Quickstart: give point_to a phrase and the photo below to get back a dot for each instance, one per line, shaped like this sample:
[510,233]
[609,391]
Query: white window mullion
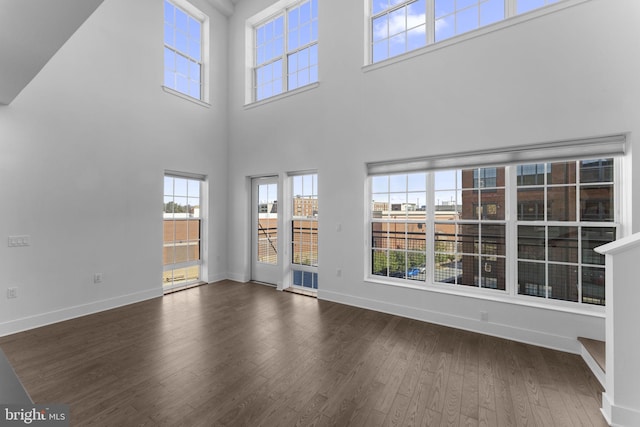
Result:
[430,15]
[285,73]
[430,211]
[368,33]
[510,7]
[580,266]
[511,230]
[578,195]
[546,261]
[285,53]
[621,181]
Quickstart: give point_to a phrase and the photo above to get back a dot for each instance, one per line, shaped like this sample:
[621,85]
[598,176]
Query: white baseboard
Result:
[619,416]
[239,277]
[527,336]
[217,278]
[43,319]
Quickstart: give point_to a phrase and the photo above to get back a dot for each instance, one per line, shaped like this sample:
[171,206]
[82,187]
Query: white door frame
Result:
[267,272]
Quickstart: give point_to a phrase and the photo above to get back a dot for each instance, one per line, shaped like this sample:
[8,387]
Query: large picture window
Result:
[400,26]
[454,227]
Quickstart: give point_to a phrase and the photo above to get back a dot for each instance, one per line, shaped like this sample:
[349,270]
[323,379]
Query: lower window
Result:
[523,230]
[182,230]
[304,231]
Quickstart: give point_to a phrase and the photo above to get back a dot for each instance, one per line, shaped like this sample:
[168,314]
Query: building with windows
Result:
[521,121]
[305,207]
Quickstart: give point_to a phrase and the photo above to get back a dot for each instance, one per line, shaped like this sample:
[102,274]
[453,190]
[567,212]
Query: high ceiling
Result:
[31,32]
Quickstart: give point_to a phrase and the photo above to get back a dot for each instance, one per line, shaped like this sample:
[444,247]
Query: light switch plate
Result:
[16,241]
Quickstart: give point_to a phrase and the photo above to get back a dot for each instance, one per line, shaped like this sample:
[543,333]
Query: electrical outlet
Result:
[97,278]
[12,293]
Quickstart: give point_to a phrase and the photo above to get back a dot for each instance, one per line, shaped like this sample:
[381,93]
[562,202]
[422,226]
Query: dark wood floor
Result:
[245,354]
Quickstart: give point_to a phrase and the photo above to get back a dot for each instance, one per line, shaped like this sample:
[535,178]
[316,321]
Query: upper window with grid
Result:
[183,49]
[400,26]
[286,51]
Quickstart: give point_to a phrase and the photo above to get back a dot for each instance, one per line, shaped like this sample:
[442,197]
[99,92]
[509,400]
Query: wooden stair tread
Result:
[596,349]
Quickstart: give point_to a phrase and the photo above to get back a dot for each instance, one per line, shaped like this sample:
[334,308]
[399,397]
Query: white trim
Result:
[185,96]
[242,277]
[186,263]
[620,245]
[367,32]
[286,94]
[182,286]
[507,22]
[613,145]
[217,278]
[188,7]
[528,336]
[55,316]
[593,366]
[497,296]
[269,12]
[618,416]
[185,175]
[263,271]
[302,172]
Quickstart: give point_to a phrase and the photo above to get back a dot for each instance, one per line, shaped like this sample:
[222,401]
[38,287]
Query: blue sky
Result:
[412,188]
[183,34]
[404,29]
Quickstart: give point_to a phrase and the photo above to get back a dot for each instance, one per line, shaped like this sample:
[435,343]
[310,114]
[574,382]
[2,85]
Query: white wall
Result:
[83,151]
[571,74]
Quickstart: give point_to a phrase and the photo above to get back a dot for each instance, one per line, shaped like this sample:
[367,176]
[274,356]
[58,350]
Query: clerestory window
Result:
[285,50]
[400,26]
[185,49]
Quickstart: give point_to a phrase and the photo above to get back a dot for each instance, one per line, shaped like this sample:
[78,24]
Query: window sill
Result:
[186,97]
[287,94]
[497,296]
[479,32]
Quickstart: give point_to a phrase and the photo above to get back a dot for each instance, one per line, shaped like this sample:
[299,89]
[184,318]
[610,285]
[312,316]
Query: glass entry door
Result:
[265,248]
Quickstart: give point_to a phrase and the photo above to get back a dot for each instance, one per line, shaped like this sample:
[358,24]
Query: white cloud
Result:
[398,24]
